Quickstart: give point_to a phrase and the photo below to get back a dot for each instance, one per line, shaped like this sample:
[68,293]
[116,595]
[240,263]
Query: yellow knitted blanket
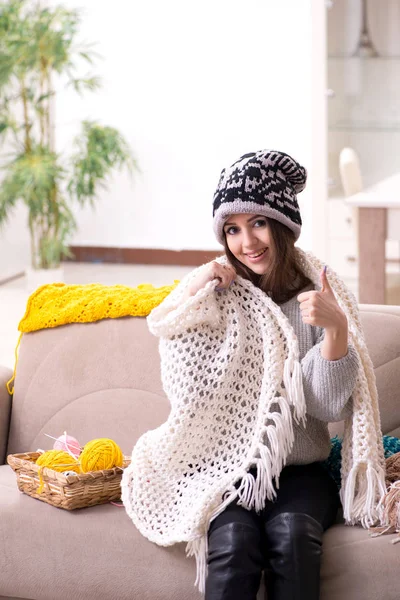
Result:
[59,304]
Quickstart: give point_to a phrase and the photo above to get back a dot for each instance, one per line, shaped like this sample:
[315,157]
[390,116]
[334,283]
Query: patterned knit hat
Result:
[264,183]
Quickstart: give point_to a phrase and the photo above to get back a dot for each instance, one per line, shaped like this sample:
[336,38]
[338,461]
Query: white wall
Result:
[15,253]
[192,87]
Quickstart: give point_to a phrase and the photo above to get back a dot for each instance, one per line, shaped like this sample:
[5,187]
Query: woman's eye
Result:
[231,230]
[260,223]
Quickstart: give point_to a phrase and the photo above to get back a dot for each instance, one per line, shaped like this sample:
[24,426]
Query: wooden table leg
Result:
[371,255]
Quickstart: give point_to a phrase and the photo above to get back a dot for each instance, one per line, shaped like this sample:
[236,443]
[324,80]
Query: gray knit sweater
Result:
[328,385]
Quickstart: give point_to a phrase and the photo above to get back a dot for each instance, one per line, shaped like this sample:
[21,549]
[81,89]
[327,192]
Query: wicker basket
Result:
[67,491]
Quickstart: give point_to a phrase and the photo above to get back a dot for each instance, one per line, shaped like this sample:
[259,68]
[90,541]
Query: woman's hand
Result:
[320,308]
[213,270]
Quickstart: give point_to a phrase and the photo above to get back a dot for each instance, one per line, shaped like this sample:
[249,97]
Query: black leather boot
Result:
[235,562]
[293,557]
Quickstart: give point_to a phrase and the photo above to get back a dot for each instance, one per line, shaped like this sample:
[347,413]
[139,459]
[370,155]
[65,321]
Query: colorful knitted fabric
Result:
[58,304]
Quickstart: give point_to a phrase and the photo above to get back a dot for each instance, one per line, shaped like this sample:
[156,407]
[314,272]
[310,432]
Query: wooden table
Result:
[378,221]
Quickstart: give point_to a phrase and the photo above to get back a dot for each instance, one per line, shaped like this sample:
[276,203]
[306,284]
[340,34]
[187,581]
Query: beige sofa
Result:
[102,380]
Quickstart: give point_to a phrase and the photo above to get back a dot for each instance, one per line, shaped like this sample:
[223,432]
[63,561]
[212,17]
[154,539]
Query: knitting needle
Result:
[66,443]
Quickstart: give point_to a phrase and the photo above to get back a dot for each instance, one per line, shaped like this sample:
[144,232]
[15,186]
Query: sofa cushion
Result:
[114,561]
[93,380]
[382,335]
[356,566]
[382,332]
[120,414]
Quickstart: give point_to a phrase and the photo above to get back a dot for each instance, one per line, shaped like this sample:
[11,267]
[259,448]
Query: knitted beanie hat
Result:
[263,183]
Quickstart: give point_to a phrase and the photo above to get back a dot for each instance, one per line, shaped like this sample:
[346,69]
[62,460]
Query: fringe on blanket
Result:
[268,461]
[199,549]
[362,495]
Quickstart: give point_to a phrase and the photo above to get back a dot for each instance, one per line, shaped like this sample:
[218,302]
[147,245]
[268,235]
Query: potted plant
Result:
[39,55]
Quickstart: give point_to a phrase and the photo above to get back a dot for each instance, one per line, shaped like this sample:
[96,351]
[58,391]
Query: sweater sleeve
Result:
[328,384]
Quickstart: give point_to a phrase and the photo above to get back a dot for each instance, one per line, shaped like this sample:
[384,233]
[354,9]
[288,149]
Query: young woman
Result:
[257,359]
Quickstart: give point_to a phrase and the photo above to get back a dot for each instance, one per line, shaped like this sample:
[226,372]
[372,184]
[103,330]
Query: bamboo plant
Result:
[39,56]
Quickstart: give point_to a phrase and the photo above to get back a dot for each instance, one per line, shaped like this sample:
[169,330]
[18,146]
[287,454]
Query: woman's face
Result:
[250,241]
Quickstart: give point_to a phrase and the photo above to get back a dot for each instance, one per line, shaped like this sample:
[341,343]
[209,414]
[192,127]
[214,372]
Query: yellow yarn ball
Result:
[58,460]
[101,454]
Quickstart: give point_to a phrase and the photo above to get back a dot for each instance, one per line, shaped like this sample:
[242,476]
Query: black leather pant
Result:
[284,540]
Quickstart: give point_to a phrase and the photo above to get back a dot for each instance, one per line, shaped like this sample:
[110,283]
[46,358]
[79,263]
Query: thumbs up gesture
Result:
[320,308]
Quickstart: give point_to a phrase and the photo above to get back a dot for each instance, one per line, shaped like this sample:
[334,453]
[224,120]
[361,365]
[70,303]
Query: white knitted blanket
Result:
[230,368]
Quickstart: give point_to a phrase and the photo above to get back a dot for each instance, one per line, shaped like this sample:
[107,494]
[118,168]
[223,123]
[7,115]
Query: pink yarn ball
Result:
[68,444]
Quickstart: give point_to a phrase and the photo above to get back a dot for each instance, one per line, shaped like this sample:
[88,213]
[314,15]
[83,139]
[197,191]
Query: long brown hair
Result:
[285,278]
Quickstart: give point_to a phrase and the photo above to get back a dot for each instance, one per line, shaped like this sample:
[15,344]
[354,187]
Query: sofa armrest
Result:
[382,308]
[5,411]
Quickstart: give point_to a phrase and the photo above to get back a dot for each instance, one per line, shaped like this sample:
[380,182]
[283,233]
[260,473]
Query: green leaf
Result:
[85,83]
[87,54]
[45,96]
[32,179]
[98,151]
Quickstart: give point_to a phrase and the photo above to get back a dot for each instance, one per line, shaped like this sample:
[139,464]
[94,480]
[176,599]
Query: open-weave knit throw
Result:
[230,368]
[58,304]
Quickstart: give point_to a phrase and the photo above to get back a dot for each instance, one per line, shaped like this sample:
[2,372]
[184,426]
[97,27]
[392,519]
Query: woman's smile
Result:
[257,256]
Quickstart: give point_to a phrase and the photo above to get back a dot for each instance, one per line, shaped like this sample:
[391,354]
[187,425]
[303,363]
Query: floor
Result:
[14,295]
